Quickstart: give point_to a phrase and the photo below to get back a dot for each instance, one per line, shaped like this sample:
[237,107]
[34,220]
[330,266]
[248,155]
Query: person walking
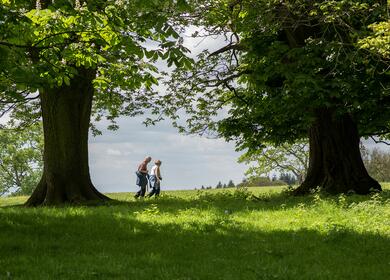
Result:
[142,177]
[155,179]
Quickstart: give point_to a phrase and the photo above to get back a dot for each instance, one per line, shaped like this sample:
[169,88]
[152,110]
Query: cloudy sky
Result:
[187,161]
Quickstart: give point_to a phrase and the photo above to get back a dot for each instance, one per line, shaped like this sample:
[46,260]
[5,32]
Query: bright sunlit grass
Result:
[259,233]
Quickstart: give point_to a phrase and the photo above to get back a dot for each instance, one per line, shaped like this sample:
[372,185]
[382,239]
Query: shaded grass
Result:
[215,234]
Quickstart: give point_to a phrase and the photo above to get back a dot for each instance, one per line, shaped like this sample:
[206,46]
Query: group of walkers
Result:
[144,178]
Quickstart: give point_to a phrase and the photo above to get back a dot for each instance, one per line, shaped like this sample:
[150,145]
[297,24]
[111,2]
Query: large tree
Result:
[290,70]
[79,58]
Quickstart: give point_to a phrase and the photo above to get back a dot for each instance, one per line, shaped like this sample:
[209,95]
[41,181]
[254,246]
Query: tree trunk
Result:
[335,164]
[66,115]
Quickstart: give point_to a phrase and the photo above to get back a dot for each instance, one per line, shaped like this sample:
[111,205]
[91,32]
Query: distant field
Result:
[258,233]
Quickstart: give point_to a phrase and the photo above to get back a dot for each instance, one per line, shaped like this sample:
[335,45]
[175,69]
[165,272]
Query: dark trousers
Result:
[142,181]
[155,191]
[141,192]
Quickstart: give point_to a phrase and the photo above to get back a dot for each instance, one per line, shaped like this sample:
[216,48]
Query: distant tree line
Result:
[230,184]
[291,162]
[263,181]
[220,185]
[376,161]
[284,178]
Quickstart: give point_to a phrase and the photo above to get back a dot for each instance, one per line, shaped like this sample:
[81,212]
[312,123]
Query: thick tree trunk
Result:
[66,115]
[335,163]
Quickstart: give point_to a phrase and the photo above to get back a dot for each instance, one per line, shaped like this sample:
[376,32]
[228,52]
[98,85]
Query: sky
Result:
[188,161]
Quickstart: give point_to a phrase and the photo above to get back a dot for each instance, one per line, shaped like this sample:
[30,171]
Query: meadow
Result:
[254,233]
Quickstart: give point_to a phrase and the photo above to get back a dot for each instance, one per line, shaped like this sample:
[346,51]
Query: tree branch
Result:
[231,77]
[370,134]
[13,45]
[379,141]
[237,47]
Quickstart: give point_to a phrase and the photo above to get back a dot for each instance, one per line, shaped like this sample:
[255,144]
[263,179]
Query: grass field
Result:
[261,233]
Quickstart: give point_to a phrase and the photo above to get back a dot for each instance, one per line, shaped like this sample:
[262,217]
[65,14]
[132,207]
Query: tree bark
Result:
[335,163]
[66,115]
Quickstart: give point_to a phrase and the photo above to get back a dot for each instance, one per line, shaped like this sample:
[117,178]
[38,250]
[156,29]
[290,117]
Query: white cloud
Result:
[112,152]
[188,161]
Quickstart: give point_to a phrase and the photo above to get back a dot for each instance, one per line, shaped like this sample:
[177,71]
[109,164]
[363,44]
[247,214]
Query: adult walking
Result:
[155,179]
[142,177]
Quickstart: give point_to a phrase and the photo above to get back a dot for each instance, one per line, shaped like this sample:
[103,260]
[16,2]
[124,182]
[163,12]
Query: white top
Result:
[153,171]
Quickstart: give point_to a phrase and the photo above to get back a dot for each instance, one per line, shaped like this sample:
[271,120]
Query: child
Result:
[155,178]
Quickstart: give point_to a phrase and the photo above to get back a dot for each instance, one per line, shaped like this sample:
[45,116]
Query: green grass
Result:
[213,234]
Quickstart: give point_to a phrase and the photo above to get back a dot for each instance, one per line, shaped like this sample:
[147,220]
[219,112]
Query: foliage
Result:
[378,42]
[288,178]
[46,45]
[223,234]
[230,184]
[21,153]
[286,157]
[260,181]
[283,61]
[377,163]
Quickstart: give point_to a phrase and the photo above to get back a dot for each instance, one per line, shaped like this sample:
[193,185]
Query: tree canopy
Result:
[282,61]
[291,70]
[44,44]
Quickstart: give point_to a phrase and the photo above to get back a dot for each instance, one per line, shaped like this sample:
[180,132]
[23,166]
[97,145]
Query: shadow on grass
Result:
[98,244]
